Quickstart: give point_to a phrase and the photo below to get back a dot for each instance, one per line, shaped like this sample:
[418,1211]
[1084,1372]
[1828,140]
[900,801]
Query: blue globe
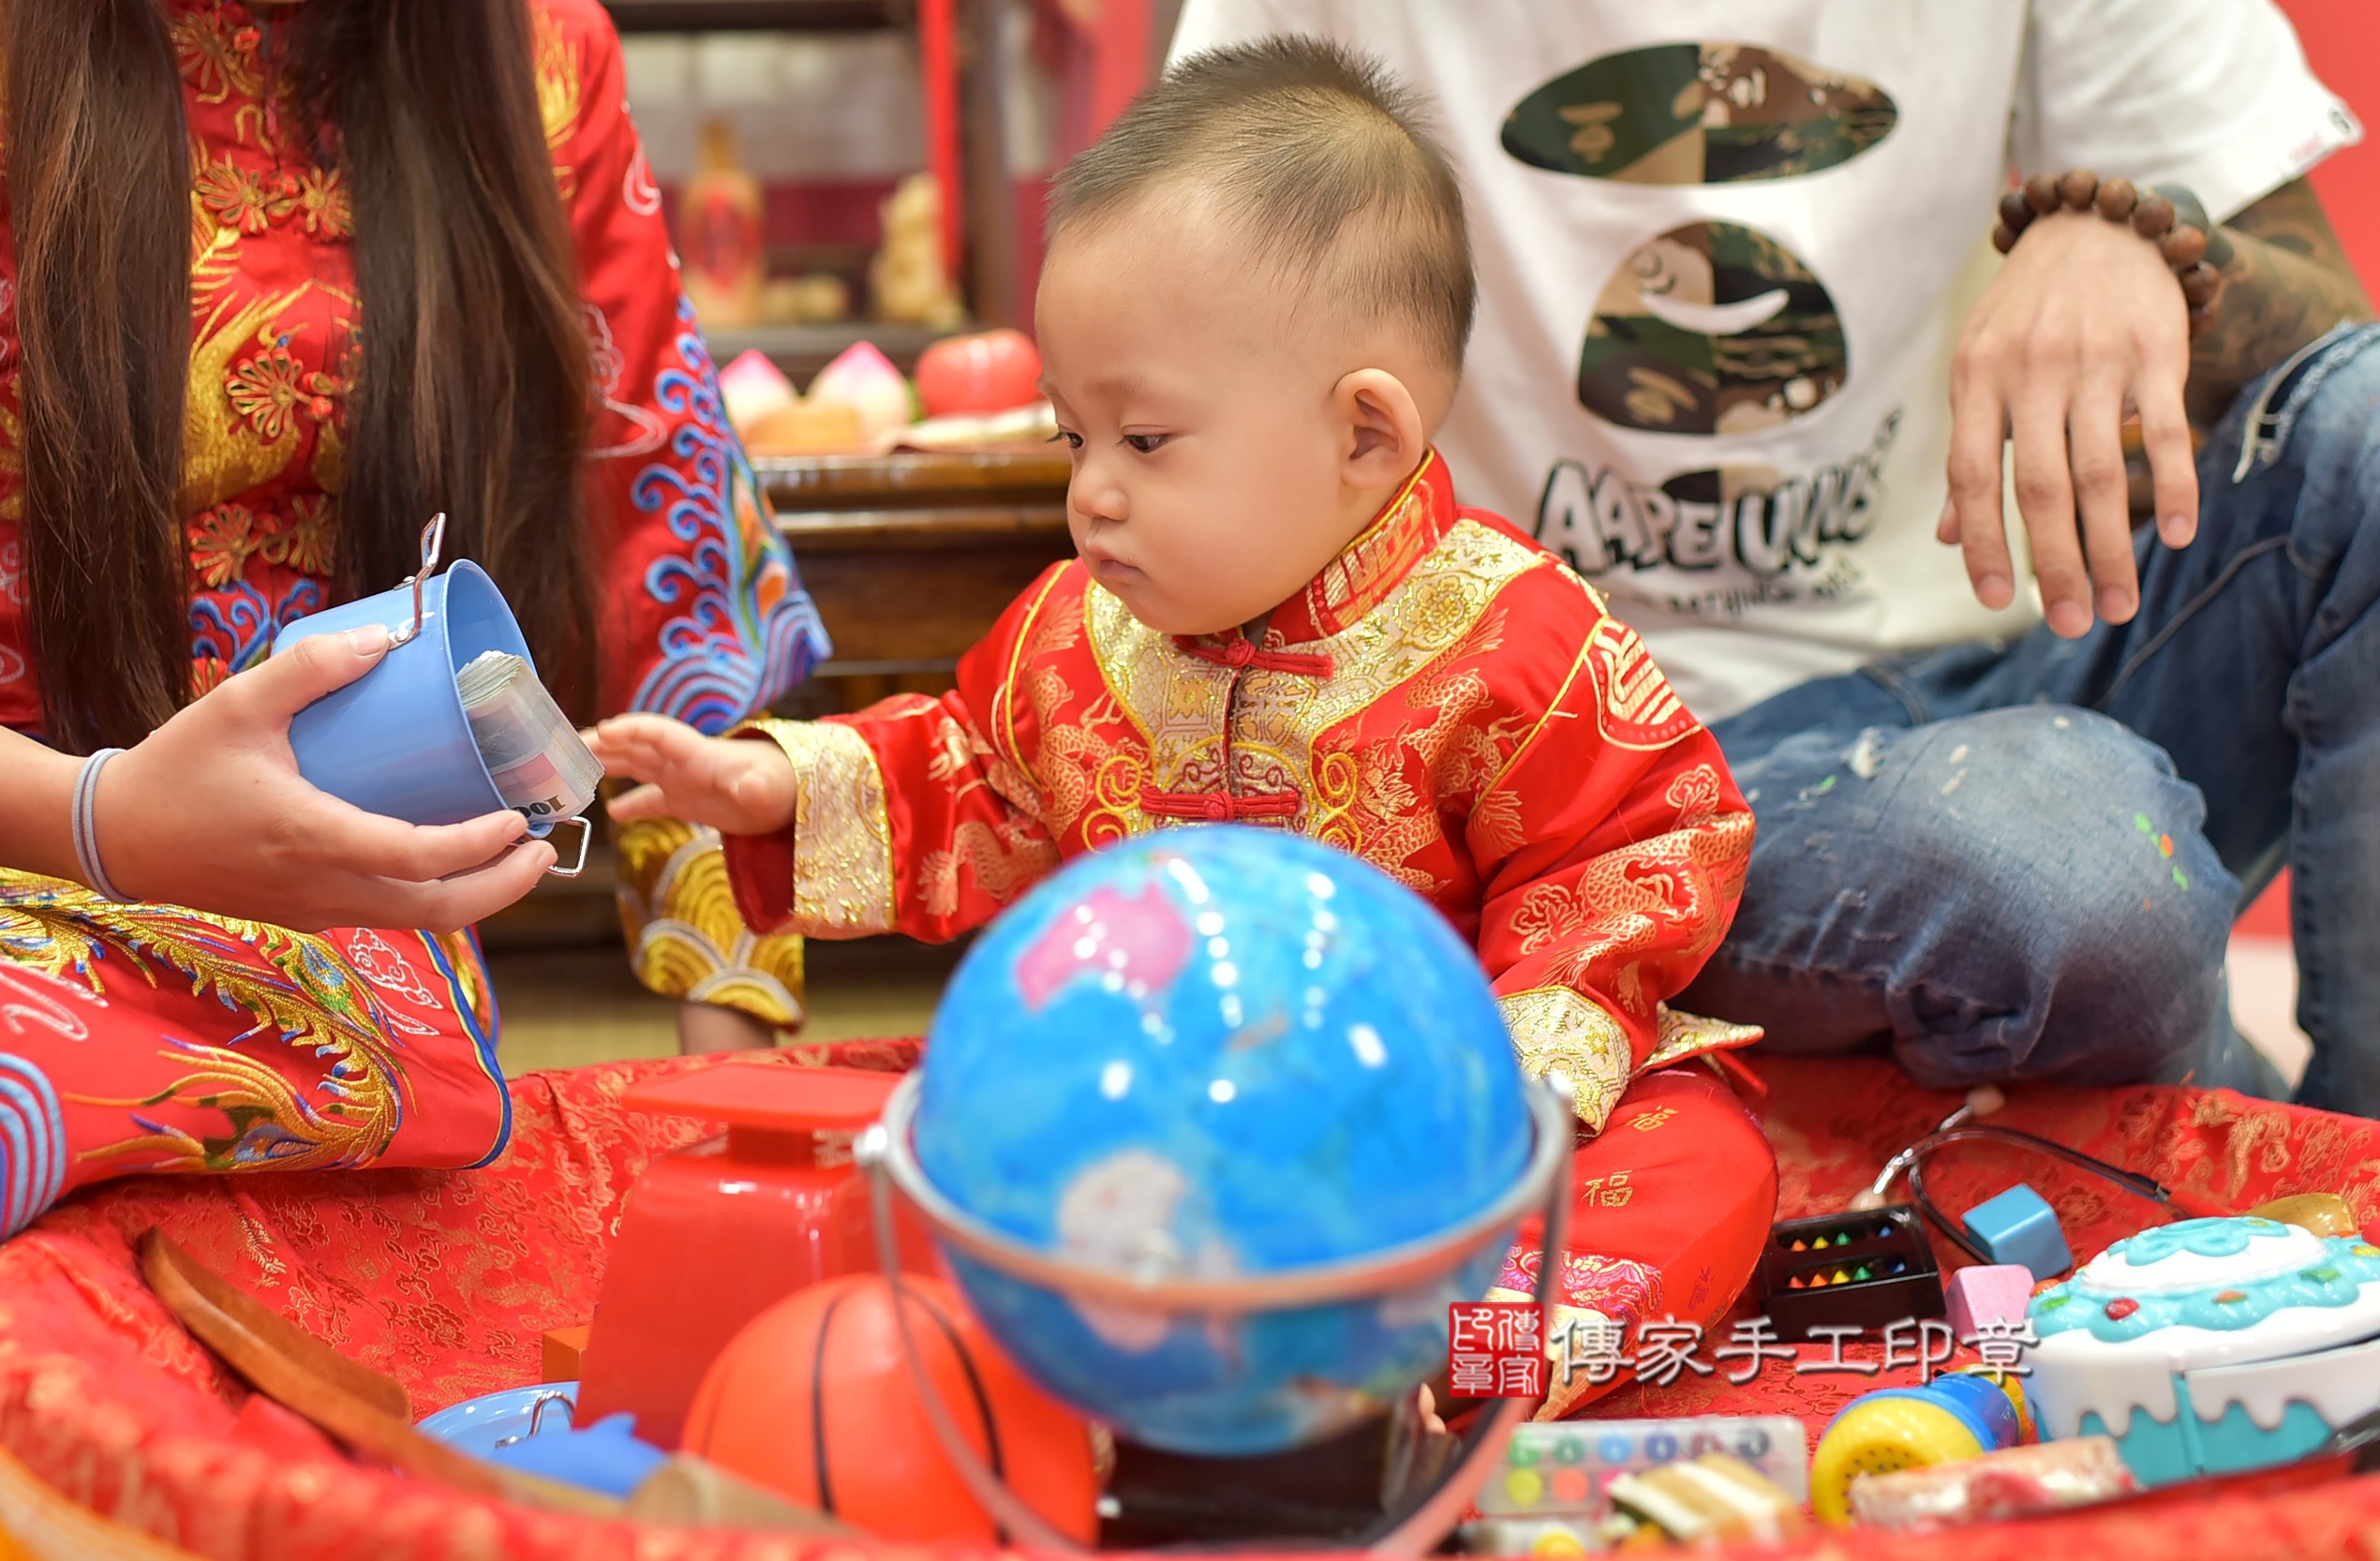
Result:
[1218,1052]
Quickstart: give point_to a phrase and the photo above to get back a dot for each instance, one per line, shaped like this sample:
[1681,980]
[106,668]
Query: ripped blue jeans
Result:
[2023,860]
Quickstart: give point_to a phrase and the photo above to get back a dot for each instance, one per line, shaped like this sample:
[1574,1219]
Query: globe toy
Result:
[1236,1067]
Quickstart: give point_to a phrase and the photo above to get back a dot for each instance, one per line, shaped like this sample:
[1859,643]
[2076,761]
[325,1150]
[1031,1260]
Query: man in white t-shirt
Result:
[1735,282]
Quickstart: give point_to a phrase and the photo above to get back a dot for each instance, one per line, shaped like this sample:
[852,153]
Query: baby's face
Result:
[1207,486]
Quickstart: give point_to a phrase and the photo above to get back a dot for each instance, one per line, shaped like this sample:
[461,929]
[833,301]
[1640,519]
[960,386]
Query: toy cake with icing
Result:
[2210,1345]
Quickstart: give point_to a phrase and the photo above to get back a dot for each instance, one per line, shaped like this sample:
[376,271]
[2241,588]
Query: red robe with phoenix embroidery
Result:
[1445,700]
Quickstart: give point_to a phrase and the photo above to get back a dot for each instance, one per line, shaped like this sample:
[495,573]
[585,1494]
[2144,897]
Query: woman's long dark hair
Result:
[474,391]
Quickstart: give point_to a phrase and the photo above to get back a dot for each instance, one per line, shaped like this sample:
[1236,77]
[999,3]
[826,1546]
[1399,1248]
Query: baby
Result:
[1252,318]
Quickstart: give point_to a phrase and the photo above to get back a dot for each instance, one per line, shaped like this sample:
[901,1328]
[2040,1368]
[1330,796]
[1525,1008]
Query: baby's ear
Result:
[1383,435]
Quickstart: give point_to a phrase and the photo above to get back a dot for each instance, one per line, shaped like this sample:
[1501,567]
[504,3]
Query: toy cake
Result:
[2210,1345]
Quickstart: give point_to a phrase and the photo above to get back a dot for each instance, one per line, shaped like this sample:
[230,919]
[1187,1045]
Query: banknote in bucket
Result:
[532,752]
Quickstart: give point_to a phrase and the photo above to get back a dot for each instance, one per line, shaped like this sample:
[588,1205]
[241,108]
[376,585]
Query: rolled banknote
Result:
[532,752]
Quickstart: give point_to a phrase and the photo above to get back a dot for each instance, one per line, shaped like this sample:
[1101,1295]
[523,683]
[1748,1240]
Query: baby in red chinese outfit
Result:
[1252,318]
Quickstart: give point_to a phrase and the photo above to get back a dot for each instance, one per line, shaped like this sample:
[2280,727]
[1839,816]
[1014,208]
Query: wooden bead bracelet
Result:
[2168,216]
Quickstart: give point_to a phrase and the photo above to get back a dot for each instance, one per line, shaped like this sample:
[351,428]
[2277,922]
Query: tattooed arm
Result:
[2285,282]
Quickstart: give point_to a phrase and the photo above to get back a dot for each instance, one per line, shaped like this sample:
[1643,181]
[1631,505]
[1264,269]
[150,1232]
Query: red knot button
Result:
[2121,1307]
[1240,652]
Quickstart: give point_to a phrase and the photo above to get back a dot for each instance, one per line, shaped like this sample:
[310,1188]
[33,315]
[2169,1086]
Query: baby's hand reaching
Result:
[739,787]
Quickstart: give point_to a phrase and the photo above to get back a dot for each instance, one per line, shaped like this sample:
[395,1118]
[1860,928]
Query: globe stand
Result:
[884,1151]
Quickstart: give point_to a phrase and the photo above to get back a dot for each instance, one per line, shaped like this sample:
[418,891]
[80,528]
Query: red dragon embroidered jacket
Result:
[1445,700]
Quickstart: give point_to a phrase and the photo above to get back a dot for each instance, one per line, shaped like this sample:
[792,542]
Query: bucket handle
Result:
[543,1402]
[433,542]
[586,836]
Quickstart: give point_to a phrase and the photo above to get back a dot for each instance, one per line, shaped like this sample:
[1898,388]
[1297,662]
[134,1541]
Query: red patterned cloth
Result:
[447,1280]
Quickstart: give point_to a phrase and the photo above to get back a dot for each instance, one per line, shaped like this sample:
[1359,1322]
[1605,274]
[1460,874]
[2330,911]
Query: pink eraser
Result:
[1988,1293]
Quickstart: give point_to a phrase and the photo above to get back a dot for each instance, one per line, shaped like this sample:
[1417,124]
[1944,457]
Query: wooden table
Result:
[912,558]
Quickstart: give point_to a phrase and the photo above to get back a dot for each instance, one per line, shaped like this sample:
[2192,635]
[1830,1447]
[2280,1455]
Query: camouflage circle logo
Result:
[1711,328]
[1692,114]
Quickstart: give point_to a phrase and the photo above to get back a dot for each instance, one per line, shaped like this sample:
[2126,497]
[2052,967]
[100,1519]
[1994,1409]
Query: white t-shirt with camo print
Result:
[1724,247]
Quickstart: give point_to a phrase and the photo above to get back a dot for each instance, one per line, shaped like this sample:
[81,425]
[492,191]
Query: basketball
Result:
[814,1399]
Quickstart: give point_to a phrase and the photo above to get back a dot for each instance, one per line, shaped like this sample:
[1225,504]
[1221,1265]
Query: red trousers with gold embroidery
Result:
[1669,1207]
[154,1038]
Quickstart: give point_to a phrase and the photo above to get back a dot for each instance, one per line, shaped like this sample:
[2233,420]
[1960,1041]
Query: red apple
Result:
[991,371]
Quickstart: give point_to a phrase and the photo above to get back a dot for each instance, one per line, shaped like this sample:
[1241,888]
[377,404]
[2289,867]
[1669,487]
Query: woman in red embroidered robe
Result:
[1444,699]
[425,271]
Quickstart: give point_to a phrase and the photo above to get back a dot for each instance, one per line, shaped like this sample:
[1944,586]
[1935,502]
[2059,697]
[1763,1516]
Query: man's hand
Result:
[2084,323]
[743,788]
[2084,326]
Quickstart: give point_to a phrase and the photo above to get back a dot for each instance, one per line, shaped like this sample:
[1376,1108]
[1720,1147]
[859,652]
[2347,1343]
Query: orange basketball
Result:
[814,1399]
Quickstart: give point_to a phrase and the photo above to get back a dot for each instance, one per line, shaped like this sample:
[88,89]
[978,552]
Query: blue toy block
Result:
[2018,1226]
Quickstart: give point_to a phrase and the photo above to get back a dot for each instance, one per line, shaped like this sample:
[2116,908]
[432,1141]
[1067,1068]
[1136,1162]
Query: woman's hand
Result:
[210,812]
[2084,326]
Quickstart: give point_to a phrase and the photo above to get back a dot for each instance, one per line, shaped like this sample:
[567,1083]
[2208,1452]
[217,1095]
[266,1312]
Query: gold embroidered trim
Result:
[1003,699]
[1180,703]
[843,839]
[558,88]
[1557,1030]
[1638,708]
[222,457]
[1554,708]
[686,940]
[1369,567]
[1683,1035]
[214,58]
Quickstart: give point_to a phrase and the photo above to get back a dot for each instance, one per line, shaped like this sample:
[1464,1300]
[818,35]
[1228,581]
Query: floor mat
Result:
[448,1281]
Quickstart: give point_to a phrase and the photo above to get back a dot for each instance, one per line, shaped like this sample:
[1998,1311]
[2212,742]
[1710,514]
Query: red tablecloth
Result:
[448,1281]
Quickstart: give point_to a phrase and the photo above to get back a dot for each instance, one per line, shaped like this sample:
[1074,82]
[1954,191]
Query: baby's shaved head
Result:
[1318,159]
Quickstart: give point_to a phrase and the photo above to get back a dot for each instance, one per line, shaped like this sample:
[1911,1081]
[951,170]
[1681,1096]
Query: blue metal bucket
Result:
[396,741]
